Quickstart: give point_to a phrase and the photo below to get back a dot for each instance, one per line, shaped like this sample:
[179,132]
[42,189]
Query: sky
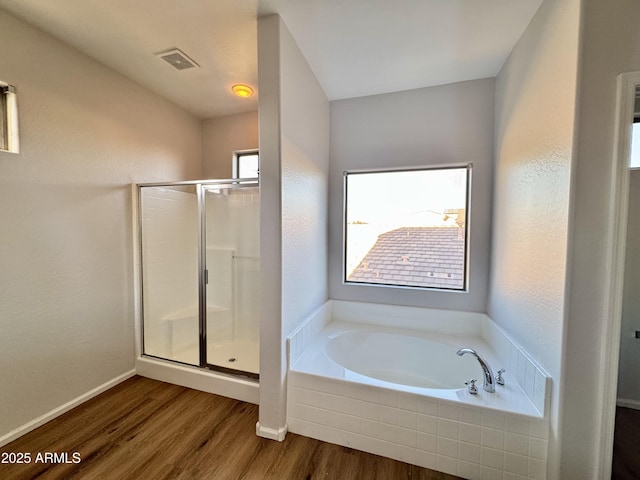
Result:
[405,198]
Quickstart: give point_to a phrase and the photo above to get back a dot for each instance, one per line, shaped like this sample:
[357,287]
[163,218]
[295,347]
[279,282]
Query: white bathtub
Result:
[400,391]
[400,359]
[411,361]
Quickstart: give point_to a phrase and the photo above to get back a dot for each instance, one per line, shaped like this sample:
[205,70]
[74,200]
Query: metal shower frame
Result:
[201,186]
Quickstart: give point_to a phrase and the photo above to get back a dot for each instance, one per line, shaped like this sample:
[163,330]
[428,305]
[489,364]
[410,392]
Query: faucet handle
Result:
[499,377]
[473,390]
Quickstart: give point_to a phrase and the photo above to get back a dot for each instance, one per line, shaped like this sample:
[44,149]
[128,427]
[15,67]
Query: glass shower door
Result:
[169,255]
[232,249]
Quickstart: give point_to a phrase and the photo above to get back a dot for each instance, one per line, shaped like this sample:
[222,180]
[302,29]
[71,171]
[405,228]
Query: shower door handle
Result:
[206,276]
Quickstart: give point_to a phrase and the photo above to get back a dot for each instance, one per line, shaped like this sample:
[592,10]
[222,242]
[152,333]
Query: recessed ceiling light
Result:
[242,90]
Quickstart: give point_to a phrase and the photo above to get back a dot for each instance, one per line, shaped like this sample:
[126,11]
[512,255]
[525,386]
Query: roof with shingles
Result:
[415,256]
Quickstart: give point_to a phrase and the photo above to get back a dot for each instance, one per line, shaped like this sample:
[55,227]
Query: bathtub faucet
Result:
[489,380]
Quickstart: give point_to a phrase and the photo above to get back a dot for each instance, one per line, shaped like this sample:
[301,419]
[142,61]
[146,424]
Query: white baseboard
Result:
[56,412]
[271,433]
[629,403]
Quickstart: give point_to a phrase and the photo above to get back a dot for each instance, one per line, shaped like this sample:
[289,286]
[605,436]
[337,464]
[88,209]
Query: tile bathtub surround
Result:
[304,335]
[520,367]
[463,440]
[410,318]
[460,440]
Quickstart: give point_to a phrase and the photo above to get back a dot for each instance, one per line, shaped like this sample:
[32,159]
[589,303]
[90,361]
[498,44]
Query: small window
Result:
[407,228]
[634,156]
[634,161]
[8,119]
[246,164]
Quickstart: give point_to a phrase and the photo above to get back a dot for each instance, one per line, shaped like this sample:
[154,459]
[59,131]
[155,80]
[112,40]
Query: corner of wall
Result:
[272,413]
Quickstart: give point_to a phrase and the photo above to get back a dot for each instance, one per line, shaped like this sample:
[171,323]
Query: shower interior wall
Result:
[233,289]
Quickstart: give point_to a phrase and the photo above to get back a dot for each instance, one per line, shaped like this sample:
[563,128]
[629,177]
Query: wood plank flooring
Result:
[144,429]
[626,458]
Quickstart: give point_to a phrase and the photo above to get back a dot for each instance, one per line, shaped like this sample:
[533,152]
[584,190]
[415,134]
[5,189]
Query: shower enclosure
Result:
[200,265]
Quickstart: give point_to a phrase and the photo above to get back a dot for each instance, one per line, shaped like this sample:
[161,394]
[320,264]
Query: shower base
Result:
[242,355]
[203,379]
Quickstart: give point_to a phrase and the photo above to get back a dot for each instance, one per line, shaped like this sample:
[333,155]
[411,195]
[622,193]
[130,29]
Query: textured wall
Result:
[222,136]
[304,139]
[610,45]
[294,149]
[450,124]
[66,293]
[535,105]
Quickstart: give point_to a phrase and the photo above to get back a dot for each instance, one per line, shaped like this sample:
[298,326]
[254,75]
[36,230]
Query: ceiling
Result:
[354,47]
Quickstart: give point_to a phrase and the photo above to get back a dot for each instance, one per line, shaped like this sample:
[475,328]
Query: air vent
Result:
[177,59]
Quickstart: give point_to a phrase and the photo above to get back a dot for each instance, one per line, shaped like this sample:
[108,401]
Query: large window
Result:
[246,164]
[407,228]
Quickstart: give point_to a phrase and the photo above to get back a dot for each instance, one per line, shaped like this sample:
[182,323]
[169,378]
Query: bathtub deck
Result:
[145,429]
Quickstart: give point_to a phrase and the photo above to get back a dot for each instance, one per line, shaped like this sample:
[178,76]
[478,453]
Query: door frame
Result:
[618,208]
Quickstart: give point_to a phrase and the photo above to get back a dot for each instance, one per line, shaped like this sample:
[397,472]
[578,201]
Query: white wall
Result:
[294,149]
[66,266]
[304,139]
[221,136]
[272,362]
[450,124]
[610,45]
[629,374]
[535,115]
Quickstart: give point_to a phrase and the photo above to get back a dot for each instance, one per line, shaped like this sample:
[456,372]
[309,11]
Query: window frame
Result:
[467,230]
[237,155]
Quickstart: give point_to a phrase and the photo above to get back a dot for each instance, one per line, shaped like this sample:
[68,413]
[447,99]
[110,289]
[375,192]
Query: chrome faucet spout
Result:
[489,384]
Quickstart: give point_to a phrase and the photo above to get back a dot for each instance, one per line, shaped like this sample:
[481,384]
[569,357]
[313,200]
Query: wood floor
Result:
[144,429]
[626,445]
